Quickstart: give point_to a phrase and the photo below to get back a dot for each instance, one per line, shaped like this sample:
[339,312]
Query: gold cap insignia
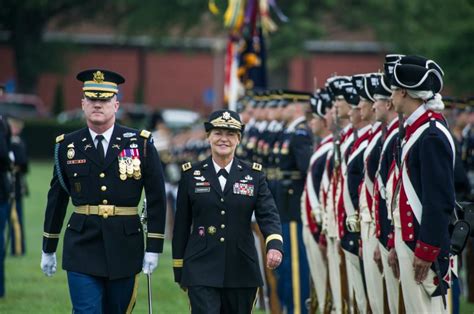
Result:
[98,77]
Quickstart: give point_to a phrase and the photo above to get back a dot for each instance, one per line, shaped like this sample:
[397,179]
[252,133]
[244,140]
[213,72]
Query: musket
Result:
[143,219]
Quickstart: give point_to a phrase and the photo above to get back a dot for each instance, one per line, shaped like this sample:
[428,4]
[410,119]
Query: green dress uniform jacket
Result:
[213,244]
[105,245]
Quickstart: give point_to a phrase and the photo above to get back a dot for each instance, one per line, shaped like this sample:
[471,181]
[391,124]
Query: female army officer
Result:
[214,256]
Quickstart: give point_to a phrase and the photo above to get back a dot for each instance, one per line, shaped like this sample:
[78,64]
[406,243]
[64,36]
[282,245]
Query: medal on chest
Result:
[129,164]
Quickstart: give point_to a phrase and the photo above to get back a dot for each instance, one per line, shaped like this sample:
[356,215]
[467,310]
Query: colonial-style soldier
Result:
[352,175]
[311,212]
[103,168]
[294,154]
[384,184]
[331,192]
[371,157]
[214,255]
[424,198]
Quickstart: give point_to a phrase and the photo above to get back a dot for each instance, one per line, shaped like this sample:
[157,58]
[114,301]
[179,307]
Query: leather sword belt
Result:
[106,210]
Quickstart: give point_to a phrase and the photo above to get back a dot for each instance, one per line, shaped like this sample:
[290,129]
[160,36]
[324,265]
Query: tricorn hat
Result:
[415,77]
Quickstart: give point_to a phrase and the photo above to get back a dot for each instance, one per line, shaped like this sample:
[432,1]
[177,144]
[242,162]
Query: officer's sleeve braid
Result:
[58,168]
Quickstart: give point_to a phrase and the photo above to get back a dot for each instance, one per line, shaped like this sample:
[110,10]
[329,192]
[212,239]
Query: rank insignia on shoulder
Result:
[257,166]
[60,138]
[145,133]
[186,166]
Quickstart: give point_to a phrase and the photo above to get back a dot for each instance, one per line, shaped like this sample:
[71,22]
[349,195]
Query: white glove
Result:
[353,223]
[150,262]
[48,263]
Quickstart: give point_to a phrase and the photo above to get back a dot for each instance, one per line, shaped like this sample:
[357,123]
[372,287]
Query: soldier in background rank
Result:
[251,135]
[262,130]
[20,189]
[273,144]
[5,190]
[103,168]
[295,151]
[245,110]
[214,255]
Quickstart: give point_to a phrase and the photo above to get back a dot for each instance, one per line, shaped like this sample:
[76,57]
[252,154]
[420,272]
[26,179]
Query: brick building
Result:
[188,72]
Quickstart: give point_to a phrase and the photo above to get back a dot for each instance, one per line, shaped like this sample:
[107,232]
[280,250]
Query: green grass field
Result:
[29,291]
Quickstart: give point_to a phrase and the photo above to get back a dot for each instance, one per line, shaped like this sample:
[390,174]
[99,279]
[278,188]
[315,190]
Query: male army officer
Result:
[103,169]
[214,255]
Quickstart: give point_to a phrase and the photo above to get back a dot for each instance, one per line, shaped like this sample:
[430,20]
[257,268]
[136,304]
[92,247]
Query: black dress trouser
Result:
[210,300]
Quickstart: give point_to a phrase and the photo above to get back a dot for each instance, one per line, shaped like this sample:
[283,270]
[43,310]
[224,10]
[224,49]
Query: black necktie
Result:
[100,147]
[223,173]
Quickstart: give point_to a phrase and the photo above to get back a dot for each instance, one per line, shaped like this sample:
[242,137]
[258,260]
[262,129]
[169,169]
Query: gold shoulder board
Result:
[59,138]
[145,133]
[186,166]
[257,166]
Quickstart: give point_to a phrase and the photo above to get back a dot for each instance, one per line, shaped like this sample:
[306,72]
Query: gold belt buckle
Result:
[106,210]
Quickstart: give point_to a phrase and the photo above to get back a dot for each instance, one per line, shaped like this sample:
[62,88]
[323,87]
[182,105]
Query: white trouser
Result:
[334,261]
[373,277]
[317,267]
[392,284]
[417,297]
[355,282]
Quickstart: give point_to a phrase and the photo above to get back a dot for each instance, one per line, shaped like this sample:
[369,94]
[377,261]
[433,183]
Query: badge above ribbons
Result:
[129,164]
